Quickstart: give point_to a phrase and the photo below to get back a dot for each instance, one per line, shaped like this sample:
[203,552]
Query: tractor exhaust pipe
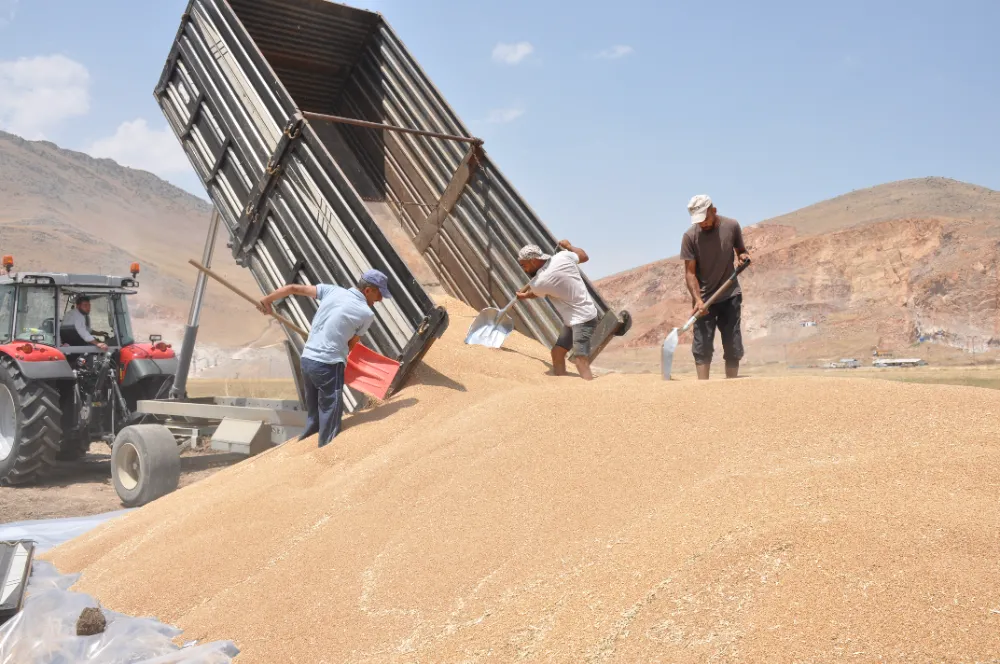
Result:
[179,388]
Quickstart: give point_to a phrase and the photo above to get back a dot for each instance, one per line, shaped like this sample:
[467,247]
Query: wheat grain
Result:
[490,512]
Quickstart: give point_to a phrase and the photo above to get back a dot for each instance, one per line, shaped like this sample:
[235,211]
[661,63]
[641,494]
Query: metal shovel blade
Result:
[490,328]
[369,372]
[670,343]
[667,353]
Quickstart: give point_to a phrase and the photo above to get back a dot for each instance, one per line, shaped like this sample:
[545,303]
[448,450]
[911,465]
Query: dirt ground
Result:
[84,488]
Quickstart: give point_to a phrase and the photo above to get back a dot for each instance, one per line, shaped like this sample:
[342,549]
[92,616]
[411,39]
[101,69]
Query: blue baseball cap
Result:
[376,278]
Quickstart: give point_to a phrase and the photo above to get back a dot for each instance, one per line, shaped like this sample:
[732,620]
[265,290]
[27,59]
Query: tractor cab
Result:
[45,314]
[103,312]
[50,309]
[52,312]
[45,320]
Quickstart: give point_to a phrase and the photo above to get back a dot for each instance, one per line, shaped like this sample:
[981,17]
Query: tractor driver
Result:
[75,327]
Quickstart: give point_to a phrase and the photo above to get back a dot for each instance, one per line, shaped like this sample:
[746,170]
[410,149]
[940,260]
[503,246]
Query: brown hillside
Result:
[879,267]
[65,211]
[905,199]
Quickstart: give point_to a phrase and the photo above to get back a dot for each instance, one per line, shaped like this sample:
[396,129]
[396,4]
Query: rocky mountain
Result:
[910,267]
[907,266]
[64,211]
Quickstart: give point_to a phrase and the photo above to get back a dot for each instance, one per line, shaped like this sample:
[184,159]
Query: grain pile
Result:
[493,513]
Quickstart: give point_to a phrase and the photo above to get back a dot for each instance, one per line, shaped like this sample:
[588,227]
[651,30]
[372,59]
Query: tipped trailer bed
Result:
[326,150]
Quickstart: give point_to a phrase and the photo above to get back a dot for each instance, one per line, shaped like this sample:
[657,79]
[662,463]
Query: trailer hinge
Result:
[251,220]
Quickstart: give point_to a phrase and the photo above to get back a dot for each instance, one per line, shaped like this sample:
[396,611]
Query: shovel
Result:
[670,343]
[366,370]
[492,326]
[281,319]
[369,372]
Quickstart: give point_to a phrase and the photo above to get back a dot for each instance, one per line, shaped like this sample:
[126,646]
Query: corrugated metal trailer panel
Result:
[286,63]
[474,253]
[291,214]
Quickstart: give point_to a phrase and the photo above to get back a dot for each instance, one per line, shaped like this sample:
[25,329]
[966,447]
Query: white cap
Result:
[698,208]
[531,251]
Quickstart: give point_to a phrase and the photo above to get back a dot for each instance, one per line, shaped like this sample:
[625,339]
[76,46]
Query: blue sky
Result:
[607,117]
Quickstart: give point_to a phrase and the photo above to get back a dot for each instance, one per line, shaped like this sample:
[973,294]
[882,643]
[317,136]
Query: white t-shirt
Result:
[75,318]
[561,281]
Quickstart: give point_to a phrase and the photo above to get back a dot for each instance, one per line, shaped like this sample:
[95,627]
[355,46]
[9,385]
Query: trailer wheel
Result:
[145,463]
[30,430]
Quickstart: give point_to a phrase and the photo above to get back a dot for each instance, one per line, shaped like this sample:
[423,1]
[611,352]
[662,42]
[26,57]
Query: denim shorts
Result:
[577,338]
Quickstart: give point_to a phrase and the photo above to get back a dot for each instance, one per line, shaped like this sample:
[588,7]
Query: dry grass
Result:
[985,379]
[492,513]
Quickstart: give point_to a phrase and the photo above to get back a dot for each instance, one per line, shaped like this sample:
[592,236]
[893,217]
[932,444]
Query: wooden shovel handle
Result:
[722,289]
[715,296]
[248,298]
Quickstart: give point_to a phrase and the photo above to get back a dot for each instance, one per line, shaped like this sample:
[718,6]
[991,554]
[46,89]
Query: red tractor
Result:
[58,393]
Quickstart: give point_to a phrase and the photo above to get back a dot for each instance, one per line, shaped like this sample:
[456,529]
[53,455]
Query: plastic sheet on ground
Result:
[49,533]
[44,632]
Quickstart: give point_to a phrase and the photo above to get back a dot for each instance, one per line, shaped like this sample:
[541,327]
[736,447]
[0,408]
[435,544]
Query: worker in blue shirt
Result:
[344,315]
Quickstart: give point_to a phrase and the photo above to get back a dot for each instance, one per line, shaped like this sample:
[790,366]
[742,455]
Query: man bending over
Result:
[558,278]
[344,315]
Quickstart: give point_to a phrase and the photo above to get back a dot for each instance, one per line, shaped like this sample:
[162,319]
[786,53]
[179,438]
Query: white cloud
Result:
[512,54]
[504,115]
[39,93]
[8,9]
[135,144]
[615,52]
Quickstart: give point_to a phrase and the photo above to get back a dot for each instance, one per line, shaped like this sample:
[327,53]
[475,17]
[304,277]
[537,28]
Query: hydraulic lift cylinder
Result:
[179,389]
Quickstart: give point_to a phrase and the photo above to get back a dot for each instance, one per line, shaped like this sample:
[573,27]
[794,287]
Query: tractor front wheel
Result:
[145,463]
[30,426]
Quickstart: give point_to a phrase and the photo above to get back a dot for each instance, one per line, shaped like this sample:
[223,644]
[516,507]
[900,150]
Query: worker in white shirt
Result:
[77,324]
[558,278]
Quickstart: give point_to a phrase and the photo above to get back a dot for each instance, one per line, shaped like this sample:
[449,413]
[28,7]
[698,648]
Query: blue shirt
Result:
[342,314]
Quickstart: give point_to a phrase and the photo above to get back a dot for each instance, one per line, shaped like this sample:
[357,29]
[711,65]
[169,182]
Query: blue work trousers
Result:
[324,388]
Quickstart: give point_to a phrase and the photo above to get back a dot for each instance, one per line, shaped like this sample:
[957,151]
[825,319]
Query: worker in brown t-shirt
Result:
[708,248]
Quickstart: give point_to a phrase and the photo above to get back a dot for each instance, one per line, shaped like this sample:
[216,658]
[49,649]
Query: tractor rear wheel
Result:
[30,426]
[145,463]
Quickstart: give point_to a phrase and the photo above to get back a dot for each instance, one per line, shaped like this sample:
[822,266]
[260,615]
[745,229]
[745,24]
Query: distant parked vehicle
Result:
[899,362]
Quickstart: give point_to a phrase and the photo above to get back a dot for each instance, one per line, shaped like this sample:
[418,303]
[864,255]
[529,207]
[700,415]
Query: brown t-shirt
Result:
[713,253]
